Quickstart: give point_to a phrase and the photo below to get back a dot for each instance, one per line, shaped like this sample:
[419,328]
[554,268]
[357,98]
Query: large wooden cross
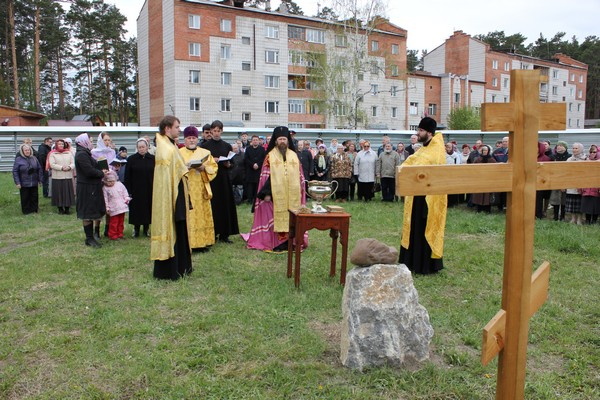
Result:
[507,333]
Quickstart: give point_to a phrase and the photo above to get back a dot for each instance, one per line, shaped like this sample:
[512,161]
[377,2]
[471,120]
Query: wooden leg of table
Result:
[344,242]
[298,242]
[333,233]
[291,238]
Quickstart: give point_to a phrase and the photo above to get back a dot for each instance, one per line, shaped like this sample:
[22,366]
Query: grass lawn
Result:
[80,323]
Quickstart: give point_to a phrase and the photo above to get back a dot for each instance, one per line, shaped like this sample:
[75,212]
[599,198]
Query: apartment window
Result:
[580,93]
[194,103]
[225,105]
[225,25]
[225,78]
[494,82]
[314,108]
[246,65]
[374,45]
[578,123]
[374,89]
[413,109]
[272,32]
[340,109]
[555,90]
[194,49]
[246,90]
[394,91]
[193,21]
[578,107]
[570,106]
[272,107]
[296,32]
[272,56]
[296,106]
[505,82]
[374,111]
[394,112]
[507,66]
[555,73]
[456,98]
[361,76]
[571,92]
[374,68]
[225,52]
[569,122]
[493,98]
[246,116]
[395,49]
[341,87]
[271,81]
[296,82]
[245,40]
[311,85]
[494,64]
[506,99]
[295,126]
[394,70]
[580,78]
[194,76]
[341,41]
[572,77]
[315,36]
[340,62]
[432,109]
[544,88]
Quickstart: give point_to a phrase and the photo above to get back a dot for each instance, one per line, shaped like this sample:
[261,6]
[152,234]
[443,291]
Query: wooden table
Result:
[337,223]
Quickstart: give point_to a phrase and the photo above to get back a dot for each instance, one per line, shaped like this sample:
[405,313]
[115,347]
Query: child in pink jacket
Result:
[116,199]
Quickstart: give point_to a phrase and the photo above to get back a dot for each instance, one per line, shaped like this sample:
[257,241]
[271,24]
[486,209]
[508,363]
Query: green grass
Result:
[79,323]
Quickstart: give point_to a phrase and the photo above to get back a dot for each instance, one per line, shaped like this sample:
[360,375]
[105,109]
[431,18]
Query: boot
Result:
[136,231]
[97,233]
[106,230]
[60,210]
[89,236]
[146,232]
[556,212]
[67,211]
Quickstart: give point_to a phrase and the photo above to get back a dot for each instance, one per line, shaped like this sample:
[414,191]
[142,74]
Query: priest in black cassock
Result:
[139,178]
[222,203]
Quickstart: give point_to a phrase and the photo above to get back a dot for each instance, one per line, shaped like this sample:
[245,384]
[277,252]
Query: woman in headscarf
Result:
[351,152]
[62,163]
[321,163]
[139,179]
[28,175]
[483,201]
[590,197]
[341,171]
[593,153]
[573,203]
[90,199]
[542,197]
[558,197]
[103,148]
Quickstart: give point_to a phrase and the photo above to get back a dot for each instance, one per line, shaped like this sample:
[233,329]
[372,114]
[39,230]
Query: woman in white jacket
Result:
[62,164]
[364,168]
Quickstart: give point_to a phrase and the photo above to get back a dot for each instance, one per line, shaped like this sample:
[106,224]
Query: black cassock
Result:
[222,203]
[139,177]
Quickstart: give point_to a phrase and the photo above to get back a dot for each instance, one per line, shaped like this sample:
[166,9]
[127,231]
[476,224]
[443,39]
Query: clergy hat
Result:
[428,124]
[279,132]
[190,131]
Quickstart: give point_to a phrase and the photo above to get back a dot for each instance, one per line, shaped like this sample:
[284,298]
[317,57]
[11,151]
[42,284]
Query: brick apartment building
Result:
[202,61]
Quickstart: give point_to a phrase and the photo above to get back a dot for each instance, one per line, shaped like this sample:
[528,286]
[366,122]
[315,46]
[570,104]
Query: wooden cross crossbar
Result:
[523,118]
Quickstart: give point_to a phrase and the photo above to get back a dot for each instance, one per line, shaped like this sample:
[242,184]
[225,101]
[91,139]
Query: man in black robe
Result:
[253,161]
[222,202]
[138,180]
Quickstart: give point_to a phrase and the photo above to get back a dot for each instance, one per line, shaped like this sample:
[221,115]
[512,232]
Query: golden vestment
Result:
[200,222]
[285,186]
[169,170]
[432,154]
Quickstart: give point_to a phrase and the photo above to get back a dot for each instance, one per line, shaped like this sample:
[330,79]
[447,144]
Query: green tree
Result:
[327,13]
[500,42]
[291,7]
[464,118]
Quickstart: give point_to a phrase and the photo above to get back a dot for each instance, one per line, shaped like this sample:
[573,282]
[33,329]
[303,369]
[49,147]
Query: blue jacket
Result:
[27,171]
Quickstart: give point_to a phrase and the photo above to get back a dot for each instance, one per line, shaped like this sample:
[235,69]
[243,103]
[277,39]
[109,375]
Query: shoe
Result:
[97,233]
[136,232]
[93,243]
[67,211]
[225,239]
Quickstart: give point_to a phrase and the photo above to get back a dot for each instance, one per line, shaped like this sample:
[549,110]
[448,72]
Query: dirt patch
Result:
[331,334]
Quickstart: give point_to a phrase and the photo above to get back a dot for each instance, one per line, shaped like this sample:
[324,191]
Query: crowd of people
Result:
[188,189]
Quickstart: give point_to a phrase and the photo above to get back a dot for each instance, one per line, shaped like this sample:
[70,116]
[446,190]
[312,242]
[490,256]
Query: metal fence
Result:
[12,137]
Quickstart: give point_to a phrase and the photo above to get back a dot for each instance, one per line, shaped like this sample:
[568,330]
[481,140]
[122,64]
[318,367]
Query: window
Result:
[315,36]
[225,105]
[494,64]
[571,92]
[296,106]
[271,81]
[272,107]
[544,87]
[413,109]
[296,82]
[374,68]
[394,112]
[572,77]
[394,91]
[505,82]
[555,73]
[340,109]
[579,107]
[432,109]
[296,32]
[272,56]
[246,66]
[295,126]
[194,103]
[374,45]
[578,122]
[193,21]
[506,99]
[493,98]
[580,78]
[555,90]
[341,87]
[225,25]
[457,98]
[361,76]
[225,52]
[194,76]
[341,41]
[245,40]
[395,49]
[570,106]
[311,85]
[374,111]
[394,70]
[374,89]
[580,93]
[507,66]
[340,62]
[494,82]
[246,90]
[225,78]
[314,108]
[246,116]
[272,31]
[194,49]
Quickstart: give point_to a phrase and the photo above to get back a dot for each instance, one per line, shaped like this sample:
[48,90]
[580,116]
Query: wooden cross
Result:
[507,333]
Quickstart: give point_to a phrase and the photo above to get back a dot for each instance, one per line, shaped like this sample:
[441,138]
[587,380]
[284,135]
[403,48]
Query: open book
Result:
[102,163]
[226,158]
[195,163]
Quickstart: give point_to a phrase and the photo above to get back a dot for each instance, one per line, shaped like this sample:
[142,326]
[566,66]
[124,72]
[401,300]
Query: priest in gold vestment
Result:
[280,188]
[424,221]
[200,222]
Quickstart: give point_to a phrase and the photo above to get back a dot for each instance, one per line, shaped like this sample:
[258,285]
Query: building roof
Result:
[73,122]
[6,111]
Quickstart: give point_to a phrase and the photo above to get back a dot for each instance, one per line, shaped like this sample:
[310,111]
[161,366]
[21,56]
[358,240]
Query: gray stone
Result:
[383,322]
[371,251]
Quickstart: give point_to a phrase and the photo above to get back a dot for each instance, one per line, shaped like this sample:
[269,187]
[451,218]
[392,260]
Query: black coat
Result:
[90,199]
[139,180]
[306,160]
[253,156]
[236,172]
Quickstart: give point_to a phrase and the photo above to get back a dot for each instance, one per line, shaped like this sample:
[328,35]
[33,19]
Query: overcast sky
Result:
[430,22]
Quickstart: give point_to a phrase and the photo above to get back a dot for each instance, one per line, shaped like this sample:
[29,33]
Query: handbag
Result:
[377,186]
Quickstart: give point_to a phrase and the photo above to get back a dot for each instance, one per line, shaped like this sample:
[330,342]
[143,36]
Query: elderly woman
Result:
[138,181]
[62,163]
[364,168]
[558,198]
[90,199]
[28,175]
[341,171]
[483,201]
[573,203]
